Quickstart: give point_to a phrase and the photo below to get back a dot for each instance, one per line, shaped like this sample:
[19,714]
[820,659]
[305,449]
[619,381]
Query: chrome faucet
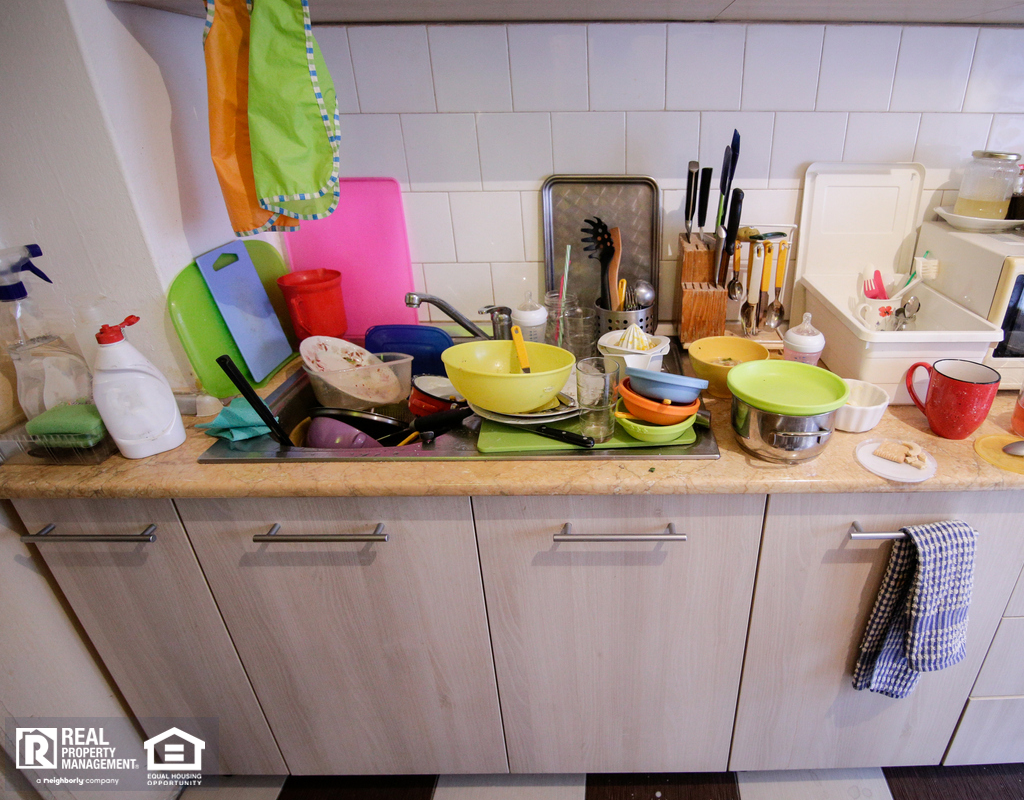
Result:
[414,299]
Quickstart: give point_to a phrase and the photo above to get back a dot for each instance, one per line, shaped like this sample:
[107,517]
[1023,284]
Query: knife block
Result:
[696,261]
[703,311]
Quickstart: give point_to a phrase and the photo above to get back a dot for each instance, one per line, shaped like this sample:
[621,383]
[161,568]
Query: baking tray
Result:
[629,202]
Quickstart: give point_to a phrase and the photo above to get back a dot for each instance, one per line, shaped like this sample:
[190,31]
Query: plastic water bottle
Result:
[134,399]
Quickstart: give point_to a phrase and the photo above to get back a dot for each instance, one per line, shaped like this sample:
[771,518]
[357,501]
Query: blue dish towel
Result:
[236,422]
[919,622]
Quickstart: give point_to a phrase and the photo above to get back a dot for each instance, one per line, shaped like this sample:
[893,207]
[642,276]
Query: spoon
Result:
[1015,448]
[644,294]
[735,285]
[773,316]
[906,313]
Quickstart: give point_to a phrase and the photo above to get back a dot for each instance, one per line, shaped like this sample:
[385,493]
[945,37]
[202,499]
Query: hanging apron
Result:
[293,113]
[226,51]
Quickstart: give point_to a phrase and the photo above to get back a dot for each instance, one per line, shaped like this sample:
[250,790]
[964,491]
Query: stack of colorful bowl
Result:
[661,407]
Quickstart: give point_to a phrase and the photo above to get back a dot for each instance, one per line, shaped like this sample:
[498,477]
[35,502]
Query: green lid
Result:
[787,387]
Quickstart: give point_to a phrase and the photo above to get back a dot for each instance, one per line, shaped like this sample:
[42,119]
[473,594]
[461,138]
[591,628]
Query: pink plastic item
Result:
[365,239]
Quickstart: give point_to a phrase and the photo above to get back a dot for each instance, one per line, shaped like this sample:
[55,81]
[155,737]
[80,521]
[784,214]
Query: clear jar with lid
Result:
[987,185]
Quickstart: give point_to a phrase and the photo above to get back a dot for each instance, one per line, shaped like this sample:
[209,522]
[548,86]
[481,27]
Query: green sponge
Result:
[68,426]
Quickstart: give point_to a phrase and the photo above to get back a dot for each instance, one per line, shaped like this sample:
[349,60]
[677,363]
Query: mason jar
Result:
[987,185]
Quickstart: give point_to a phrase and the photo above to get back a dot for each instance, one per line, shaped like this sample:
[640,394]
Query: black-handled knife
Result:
[723,183]
[562,436]
[735,209]
[702,202]
[734,157]
[277,433]
[691,197]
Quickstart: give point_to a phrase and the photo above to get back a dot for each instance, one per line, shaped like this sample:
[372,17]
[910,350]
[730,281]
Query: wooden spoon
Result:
[613,270]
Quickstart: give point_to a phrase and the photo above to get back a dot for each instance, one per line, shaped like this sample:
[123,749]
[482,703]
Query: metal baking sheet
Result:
[628,202]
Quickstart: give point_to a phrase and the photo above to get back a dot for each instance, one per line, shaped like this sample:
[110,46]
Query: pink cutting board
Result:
[364,239]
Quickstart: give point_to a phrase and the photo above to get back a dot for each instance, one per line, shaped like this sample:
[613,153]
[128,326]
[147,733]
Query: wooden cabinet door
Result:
[991,732]
[618,656]
[150,615]
[815,590]
[368,658]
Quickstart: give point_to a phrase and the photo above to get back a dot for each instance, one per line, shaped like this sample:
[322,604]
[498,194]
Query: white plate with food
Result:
[885,465]
[978,224]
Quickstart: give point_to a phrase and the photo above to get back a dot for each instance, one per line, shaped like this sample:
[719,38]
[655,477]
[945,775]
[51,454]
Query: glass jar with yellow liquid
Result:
[987,185]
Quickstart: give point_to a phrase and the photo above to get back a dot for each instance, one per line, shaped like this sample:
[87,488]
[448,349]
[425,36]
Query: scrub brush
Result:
[927,268]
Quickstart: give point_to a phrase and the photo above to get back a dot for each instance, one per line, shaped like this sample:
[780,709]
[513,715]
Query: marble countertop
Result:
[177,473]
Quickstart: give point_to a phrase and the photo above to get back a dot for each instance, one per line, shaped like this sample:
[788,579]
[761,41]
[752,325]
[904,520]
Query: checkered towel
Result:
[919,622]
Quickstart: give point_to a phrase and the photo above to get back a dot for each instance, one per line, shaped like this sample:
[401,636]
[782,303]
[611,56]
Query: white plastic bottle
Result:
[133,397]
[803,343]
[532,318]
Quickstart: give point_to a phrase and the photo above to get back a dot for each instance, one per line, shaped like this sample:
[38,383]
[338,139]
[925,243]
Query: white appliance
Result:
[984,273]
[857,218]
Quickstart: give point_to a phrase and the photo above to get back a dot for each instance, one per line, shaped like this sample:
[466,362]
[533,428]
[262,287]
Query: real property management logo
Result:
[88,748]
[36,748]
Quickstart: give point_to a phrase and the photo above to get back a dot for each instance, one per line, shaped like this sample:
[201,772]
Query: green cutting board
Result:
[498,438]
[202,330]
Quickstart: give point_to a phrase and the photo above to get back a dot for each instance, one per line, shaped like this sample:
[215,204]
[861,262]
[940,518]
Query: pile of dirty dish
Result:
[658,407]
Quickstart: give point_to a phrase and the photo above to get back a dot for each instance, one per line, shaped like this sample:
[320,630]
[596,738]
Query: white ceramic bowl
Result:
[864,408]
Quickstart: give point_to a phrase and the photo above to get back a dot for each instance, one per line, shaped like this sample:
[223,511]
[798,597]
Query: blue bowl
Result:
[663,386]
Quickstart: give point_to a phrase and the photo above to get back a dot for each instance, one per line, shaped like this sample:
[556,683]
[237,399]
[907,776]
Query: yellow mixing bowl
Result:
[706,356]
[487,374]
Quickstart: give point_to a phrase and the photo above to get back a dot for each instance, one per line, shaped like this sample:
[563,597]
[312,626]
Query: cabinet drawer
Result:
[815,591]
[1003,670]
[149,613]
[621,655]
[367,656]
[991,732]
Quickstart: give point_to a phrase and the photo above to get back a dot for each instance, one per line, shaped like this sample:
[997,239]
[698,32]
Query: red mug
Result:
[314,302]
[960,394]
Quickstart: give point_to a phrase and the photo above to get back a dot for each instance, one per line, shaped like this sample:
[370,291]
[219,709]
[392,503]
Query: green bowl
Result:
[787,387]
[648,432]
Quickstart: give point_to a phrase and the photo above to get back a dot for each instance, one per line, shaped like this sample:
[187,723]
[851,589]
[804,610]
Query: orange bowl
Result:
[652,411]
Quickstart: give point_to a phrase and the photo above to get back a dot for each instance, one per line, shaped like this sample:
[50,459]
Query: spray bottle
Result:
[49,372]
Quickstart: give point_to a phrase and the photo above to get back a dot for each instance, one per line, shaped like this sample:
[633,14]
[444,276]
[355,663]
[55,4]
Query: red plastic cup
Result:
[314,302]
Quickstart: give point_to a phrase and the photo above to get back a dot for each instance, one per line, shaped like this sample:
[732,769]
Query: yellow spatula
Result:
[517,338]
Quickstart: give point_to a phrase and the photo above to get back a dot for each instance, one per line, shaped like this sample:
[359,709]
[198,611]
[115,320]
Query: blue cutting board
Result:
[243,302]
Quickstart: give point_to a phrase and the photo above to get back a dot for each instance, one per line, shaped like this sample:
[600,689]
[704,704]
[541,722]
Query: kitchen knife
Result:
[692,178]
[277,432]
[735,209]
[766,280]
[723,182]
[734,157]
[702,202]
[553,433]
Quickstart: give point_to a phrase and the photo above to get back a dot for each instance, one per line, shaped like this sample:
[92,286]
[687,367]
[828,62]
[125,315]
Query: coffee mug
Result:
[960,394]
[877,315]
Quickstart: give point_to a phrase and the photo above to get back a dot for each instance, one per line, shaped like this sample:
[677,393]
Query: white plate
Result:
[978,224]
[537,418]
[883,468]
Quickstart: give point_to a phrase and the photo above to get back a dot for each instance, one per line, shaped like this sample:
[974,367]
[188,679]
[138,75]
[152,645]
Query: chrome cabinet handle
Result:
[272,535]
[670,535]
[45,536]
[857,532]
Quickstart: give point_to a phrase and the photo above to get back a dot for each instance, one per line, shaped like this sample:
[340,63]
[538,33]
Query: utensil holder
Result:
[646,318]
[703,311]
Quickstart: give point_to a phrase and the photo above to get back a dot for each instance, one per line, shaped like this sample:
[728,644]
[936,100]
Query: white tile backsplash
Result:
[661,144]
[932,69]
[589,142]
[549,67]
[881,137]
[470,66]
[802,137]
[997,73]
[626,67]
[333,41]
[704,67]
[442,151]
[780,71]
[392,68]
[857,67]
[429,220]
[372,146]
[512,281]
[488,226]
[515,149]
[471,119]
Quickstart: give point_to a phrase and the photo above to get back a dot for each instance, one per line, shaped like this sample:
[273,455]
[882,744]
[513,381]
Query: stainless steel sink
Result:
[292,401]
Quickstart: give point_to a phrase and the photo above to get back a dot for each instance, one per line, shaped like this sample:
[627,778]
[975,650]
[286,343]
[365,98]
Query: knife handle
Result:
[705,192]
[563,436]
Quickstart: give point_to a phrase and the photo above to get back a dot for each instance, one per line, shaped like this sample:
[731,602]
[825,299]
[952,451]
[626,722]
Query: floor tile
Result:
[695,786]
[510,787]
[987,782]
[825,784]
[358,787]
[237,787]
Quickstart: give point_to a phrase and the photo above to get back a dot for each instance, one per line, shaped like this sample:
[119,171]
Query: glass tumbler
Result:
[579,332]
[597,390]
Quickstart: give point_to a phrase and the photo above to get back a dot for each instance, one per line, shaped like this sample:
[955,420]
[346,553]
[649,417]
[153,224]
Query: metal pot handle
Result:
[818,434]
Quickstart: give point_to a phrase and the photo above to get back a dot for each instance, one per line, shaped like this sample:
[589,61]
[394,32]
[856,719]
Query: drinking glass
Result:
[597,385]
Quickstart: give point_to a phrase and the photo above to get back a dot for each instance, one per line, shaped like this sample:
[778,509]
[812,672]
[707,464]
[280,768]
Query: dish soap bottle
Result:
[134,399]
[49,372]
[803,343]
[532,318]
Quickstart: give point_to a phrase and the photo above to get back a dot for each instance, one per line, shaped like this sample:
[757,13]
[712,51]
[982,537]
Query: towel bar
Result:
[857,532]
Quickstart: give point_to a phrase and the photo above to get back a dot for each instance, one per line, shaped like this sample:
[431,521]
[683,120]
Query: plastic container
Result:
[803,343]
[987,185]
[314,302]
[133,397]
[532,318]
[369,386]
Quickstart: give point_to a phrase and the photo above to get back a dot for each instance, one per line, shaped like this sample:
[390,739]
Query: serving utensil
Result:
[773,315]
[736,285]
[524,359]
[644,293]
[613,269]
[599,244]
[748,312]
[1013,448]
[766,280]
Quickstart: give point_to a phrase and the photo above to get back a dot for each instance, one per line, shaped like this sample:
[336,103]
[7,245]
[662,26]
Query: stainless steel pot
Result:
[781,438]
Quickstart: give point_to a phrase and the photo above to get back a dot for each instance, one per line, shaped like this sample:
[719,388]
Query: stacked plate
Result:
[566,408]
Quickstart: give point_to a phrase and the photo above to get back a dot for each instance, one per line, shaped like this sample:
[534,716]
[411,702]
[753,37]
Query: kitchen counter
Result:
[177,473]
